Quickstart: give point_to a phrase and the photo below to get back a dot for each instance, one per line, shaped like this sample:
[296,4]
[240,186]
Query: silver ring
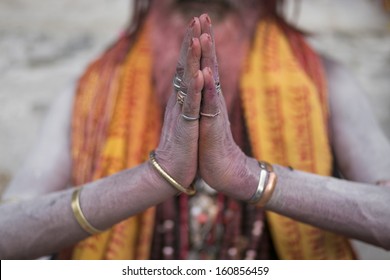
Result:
[176,82]
[182,93]
[180,99]
[188,118]
[180,96]
[218,87]
[210,115]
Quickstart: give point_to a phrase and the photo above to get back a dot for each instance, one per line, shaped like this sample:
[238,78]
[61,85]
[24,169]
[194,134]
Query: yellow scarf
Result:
[287,126]
[117,121]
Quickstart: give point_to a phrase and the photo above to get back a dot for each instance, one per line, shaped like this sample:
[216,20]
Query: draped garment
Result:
[117,120]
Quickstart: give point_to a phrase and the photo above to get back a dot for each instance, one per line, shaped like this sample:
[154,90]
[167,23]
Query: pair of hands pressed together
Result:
[204,147]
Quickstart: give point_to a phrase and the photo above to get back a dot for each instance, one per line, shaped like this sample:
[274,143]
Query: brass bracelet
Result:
[269,189]
[189,191]
[9,200]
[79,215]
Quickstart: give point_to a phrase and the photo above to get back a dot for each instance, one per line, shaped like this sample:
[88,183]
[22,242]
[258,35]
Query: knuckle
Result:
[190,109]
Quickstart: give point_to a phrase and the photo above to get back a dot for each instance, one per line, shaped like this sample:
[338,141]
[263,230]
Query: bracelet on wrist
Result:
[266,186]
[79,215]
[189,191]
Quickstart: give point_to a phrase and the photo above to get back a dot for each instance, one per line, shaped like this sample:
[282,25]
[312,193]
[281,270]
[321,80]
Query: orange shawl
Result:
[117,121]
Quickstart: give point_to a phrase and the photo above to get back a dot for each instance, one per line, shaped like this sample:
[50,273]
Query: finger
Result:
[205,23]
[189,55]
[211,105]
[192,65]
[191,106]
[191,68]
[193,31]
[209,57]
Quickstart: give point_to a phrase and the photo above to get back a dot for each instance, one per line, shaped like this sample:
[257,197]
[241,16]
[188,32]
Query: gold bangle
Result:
[270,187]
[9,200]
[189,191]
[78,213]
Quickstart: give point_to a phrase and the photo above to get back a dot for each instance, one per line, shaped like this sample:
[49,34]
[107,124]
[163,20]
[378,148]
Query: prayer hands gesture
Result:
[196,137]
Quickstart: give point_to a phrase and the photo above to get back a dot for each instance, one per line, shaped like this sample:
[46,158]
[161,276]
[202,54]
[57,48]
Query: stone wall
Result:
[45,45]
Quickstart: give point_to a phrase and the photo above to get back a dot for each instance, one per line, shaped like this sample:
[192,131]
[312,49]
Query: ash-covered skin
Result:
[230,44]
[45,223]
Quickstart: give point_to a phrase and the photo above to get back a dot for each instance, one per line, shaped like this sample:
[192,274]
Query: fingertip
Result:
[205,20]
[205,38]
[193,22]
[198,81]
[208,52]
[208,77]
[196,27]
[208,19]
[195,47]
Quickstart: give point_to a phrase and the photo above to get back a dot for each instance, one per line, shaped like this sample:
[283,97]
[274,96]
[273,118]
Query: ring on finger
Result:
[189,118]
[210,115]
[180,94]
[218,87]
[176,82]
[180,97]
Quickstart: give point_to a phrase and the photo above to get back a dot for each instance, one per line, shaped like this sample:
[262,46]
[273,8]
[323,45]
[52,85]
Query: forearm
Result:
[360,211]
[43,225]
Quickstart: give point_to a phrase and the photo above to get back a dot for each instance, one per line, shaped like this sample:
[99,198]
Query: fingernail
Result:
[208,37]
[192,22]
[209,70]
[192,42]
[196,74]
[208,19]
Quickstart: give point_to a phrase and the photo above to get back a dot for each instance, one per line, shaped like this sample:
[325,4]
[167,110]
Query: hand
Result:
[177,152]
[222,164]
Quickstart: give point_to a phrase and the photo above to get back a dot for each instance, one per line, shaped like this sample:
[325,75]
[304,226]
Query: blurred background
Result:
[45,45]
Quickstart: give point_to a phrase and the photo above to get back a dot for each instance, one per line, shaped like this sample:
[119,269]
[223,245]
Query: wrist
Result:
[266,185]
[154,179]
[167,177]
[250,182]
[179,165]
[243,178]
